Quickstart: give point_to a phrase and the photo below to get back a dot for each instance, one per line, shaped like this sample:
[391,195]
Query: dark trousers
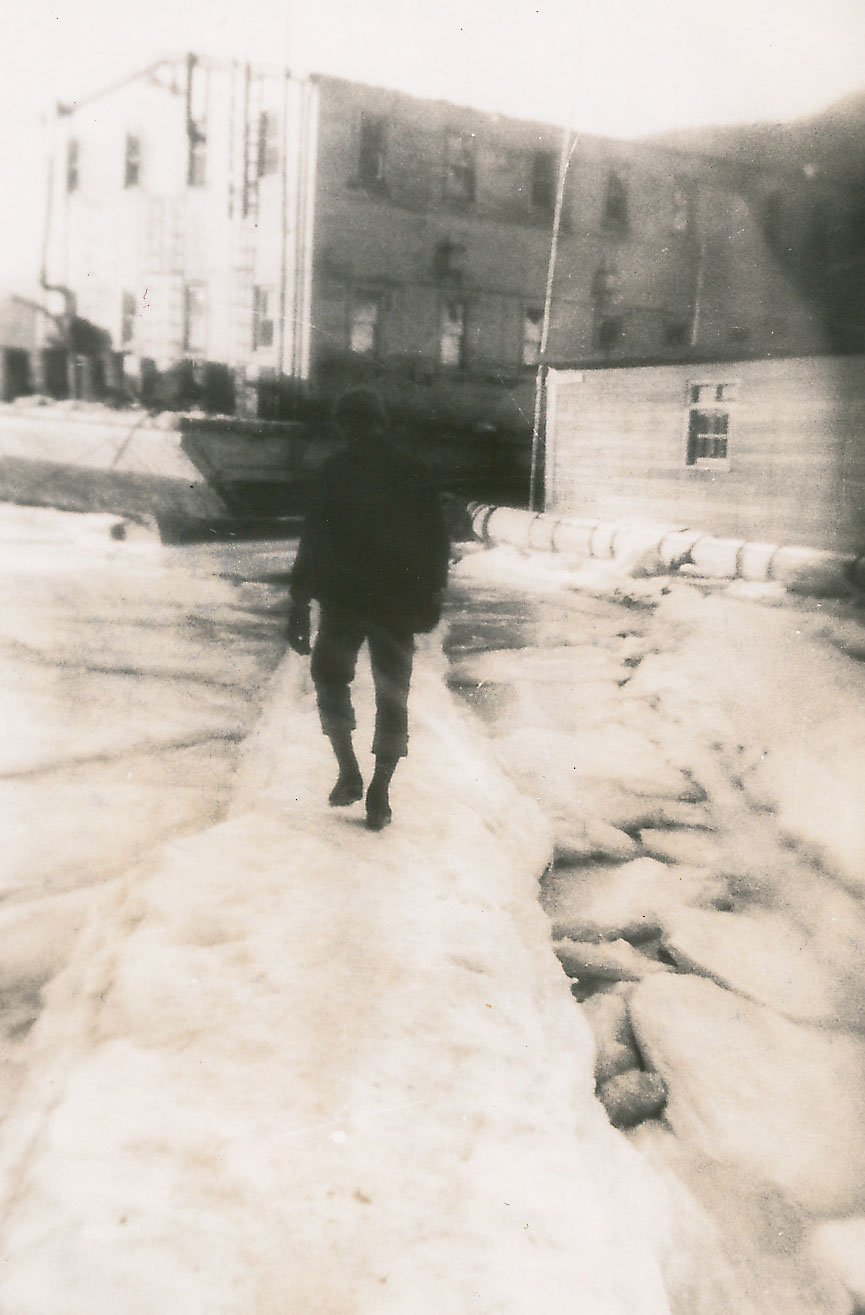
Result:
[341,633]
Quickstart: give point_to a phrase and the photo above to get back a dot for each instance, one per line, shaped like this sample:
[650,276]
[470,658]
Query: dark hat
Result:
[360,408]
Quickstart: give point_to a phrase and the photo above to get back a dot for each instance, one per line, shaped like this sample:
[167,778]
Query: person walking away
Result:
[373,553]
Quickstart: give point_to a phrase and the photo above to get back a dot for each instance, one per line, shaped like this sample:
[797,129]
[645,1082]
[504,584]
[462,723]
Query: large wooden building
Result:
[304,233]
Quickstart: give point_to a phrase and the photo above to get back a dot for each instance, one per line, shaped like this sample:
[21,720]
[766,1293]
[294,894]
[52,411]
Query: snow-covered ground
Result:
[282,1063]
[700,752]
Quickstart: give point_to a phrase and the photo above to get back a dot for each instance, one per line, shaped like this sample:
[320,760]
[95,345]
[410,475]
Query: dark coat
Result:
[374,538]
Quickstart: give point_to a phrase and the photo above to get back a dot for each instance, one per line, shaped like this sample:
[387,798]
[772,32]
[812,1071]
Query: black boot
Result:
[349,783]
[378,813]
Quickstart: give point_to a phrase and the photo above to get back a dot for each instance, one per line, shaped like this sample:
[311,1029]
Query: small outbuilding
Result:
[763,450]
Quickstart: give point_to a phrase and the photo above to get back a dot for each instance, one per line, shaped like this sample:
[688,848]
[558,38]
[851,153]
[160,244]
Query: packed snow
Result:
[282,1063]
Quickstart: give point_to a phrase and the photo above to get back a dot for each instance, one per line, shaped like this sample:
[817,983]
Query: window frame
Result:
[616,208]
[73,165]
[191,288]
[460,176]
[543,186]
[132,161]
[676,333]
[372,135]
[608,324]
[717,406]
[128,319]
[196,157]
[268,147]
[462,361]
[197,106]
[370,297]
[261,296]
[608,320]
[529,312]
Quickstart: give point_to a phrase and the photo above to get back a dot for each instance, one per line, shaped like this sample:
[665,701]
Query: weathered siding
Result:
[714,281]
[281,236]
[617,445]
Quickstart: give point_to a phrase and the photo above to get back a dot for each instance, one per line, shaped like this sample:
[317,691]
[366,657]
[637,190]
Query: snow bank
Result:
[126,683]
[798,706]
[703,1038]
[295,1065]
[745,708]
[746,668]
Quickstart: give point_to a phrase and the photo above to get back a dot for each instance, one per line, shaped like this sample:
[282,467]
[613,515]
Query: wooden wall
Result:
[617,445]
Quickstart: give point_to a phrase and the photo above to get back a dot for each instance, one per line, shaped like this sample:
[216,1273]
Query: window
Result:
[268,143]
[196,124]
[73,164]
[677,333]
[682,206]
[605,285]
[449,260]
[196,172]
[709,423]
[615,213]
[195,318]
[607,324]
[544,181]
[132,160]
[533,327]
[263,317]
[459,181]
[364,324]
[128,310]
[608,332]
[452,333]
[371,156]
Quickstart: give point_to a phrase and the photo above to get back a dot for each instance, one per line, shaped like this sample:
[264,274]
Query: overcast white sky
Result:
[618,67]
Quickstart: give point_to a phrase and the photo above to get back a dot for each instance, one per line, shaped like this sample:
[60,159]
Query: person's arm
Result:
[302,579]
[437,542]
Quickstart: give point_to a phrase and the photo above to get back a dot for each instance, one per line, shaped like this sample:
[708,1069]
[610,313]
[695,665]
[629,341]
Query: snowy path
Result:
[290,1065]
[294,1066]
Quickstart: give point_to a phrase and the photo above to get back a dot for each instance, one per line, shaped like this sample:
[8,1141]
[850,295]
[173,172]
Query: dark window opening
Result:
[73,164]
[677,333]
[263,317]
[615,214]
[195,319]
[609,330]
[544,181]
[196,170]
[452,333]
[132,161]
[371,155]
[128,309]
[608,325]
[449,260]
[459,182]
[268,143]
[196,124]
